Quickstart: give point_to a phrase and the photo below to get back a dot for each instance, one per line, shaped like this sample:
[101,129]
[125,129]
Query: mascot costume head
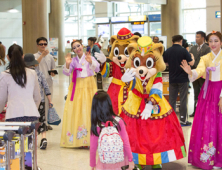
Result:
[119,54]
[146,58]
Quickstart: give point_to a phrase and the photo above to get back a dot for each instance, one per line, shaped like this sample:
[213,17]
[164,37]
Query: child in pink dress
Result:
[102,111]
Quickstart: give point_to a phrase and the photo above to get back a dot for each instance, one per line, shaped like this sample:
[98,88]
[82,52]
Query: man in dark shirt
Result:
[178,78]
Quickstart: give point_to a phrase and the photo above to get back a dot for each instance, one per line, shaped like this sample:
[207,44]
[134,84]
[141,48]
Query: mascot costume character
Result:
[119,56]
[155,133]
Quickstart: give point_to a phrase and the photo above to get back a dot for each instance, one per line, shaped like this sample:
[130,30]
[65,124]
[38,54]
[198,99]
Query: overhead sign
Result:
[138,18]
[138,23]
[154,17]
[138,28]
[217,14]
[101,20]
[119,19]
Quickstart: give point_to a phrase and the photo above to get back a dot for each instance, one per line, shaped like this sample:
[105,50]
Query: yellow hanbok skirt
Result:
[76,122]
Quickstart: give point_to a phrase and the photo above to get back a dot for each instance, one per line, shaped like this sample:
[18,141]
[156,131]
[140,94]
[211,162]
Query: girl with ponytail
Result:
[19,88]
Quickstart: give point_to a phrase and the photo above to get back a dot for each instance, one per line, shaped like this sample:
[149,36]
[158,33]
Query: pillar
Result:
[35,23]
[56,27]
[170,18]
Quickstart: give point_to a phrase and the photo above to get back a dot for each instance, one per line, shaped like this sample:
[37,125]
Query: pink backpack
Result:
[110,145]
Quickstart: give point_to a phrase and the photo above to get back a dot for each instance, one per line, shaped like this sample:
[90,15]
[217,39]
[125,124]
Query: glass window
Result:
[104,30]
[85,41]
[194,20]
[155,28]
[187,4]
[71,8]
[134,7]
[127,14]
[71,27]
[152,13]
[117,27]
[125,7]
[152,7]
[146,29]
[88,8]
[190,38]
[88,26]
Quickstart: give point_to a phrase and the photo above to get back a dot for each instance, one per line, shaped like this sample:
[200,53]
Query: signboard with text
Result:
[53,48]
[217,14]
[137,18]
[138,23]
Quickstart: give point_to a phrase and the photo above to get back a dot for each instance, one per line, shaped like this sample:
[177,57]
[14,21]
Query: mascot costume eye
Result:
[154,130]
[119,55]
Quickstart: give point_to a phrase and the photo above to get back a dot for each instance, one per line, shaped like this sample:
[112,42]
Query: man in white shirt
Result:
[198,51]
[46,63]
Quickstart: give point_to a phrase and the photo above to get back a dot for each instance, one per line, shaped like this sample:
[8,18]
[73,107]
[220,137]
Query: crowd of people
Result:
[133,113]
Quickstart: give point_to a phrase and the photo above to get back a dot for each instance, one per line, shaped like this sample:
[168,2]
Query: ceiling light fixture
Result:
[12,10]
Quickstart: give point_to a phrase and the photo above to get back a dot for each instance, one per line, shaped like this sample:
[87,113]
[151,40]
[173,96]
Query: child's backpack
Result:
[110,144]
[98,45]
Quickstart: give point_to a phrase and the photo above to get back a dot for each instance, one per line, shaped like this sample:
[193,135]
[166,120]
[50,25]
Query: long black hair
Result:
[17,65]
[102,111]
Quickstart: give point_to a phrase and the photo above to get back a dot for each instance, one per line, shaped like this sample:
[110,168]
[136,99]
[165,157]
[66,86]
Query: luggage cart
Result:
[20,130]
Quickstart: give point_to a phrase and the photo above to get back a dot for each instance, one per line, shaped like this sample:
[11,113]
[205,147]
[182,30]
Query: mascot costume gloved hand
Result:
[119,56]
[154,130]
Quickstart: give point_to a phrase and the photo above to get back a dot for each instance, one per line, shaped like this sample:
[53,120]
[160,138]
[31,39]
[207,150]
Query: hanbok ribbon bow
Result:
[207,79]
[74,81]
[144,98]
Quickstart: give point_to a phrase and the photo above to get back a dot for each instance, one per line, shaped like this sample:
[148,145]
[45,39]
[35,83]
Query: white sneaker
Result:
[215,167]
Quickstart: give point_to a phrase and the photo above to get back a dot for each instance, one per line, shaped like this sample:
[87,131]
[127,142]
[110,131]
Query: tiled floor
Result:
[56,158]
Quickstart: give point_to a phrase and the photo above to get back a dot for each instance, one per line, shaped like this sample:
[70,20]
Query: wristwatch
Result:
[130,160]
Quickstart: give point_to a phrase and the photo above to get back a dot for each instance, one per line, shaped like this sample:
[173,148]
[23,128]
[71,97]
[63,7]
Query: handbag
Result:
[53,117]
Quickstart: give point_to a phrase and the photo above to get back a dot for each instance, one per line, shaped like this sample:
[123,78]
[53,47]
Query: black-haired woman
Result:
[19,88]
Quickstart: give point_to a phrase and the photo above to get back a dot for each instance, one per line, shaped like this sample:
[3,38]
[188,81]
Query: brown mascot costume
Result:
[119,56]
[155,133]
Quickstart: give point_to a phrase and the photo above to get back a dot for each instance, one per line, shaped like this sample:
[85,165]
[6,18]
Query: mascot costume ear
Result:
[158,50]
[113,38]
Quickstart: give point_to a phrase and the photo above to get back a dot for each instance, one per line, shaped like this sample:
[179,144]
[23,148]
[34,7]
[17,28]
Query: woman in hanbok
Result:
[205,149]
[77,113]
